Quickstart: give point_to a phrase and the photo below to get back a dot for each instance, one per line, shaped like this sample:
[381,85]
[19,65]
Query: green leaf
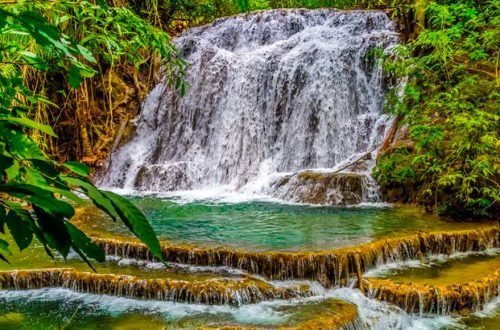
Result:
[35,61]
[39,197]
[102,3]
[13,172]
[19,223]
[84,243]
[78,168]
[19,144]
[45,167]
[4,246]
[87,54]
[135,220]
[29,123]
[74,77]
[33,177]
[94,194]
[54,231]
[6,160]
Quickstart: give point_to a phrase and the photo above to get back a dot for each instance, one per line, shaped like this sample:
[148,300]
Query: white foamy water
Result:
[271,94]
[372,314]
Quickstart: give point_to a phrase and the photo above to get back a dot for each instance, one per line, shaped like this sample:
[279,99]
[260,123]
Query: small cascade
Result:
[344,319]
[213,292]
[271,93]
[443,299]
[330,268]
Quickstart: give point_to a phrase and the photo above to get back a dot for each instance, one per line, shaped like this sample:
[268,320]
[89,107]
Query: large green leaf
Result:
[135,221]
[35,60]
[19,144]
[46,167]
[33,177]
[39,197]
[3,215]
[94,194]
[29,123]
[4,249]
[83,243]
[54,231]
[78,168]
[13,172]
[6,160]
[74,77]
[87,54]
[19,223]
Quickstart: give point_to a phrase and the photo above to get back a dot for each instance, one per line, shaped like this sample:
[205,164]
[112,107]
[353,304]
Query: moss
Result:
[335,315]
[215,291]
[339,315]
[439,299]
[327,267]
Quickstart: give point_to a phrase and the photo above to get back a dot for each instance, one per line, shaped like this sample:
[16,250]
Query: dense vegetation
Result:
[40,64]
[451,159]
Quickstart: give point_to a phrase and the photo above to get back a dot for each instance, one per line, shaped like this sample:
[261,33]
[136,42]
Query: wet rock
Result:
[442,299]
[215,292]
[334,267]
[321,188]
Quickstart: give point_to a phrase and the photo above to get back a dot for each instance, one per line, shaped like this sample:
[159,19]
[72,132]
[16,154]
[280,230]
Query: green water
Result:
[269,226]
[54,308]
[484,322]
[444,271]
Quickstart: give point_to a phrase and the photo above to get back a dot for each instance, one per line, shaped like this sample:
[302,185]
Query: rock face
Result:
[272,92]
[443,299]
[321,188]
[330,268]
[215,292]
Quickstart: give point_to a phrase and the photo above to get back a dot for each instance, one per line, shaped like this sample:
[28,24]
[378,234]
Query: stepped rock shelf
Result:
[337,268]
[439,299]
[215,291]
[329,268]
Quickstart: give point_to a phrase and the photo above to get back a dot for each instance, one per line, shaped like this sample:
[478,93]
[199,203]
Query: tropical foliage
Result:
[451,110]
[126,52]
[38,194]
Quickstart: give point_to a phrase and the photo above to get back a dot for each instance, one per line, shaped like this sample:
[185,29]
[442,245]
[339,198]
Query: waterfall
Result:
[271,94]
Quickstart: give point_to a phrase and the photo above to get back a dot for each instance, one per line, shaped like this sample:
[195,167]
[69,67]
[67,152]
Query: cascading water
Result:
[271,94]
